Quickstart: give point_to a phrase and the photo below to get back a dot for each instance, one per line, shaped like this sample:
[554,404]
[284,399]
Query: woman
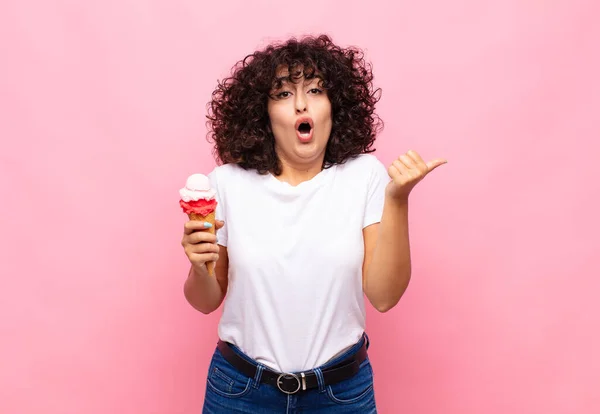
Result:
[309,221]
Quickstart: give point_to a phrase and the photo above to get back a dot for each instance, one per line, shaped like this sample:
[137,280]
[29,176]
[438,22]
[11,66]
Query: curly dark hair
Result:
[238,121]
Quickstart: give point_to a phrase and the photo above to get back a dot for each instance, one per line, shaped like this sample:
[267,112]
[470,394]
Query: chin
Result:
[309,150]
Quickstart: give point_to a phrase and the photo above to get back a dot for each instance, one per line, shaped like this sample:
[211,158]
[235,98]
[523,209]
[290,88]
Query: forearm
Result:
[388,273]
[202,291]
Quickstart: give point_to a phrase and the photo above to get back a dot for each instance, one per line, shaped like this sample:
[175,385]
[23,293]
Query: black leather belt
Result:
[291,383]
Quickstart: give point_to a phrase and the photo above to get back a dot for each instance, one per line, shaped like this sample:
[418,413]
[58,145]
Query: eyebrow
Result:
[281,80]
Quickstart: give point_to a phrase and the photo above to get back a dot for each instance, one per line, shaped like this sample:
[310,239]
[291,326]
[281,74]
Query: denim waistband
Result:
[346,354]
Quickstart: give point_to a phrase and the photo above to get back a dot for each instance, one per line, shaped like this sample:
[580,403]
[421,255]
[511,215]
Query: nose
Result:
[300,103]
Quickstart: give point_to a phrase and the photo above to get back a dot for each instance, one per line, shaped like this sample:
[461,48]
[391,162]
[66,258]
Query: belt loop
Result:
[258,375]
[320,379]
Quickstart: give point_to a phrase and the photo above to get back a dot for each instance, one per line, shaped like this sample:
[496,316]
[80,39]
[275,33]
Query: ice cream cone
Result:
[198,201]
[210,266]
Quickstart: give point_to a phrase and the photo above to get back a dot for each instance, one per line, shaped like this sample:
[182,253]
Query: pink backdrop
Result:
[102,110]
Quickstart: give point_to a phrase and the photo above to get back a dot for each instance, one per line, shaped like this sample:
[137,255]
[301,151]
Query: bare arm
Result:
[203,291]
[387,266]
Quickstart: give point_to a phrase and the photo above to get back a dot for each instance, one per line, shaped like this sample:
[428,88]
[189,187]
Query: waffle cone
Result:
[210,266]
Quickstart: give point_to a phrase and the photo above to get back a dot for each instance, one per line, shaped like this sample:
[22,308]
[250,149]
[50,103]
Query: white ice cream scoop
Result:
[197,186]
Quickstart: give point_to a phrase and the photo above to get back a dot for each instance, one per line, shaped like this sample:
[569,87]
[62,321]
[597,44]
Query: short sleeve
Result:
[213,177]
[378,180]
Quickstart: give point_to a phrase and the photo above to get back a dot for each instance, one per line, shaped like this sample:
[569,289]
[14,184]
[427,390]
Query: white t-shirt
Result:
[295,297]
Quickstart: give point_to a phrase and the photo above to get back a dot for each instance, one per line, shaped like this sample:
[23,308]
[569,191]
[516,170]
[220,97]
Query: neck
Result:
[297,173]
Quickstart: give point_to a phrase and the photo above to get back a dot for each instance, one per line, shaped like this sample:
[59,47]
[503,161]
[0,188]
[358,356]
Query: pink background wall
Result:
[102,110]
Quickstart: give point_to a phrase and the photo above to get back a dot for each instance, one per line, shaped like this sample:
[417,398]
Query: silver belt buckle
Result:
[288,376]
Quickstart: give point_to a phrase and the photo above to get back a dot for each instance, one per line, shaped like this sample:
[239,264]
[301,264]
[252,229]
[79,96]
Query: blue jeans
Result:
[229,391]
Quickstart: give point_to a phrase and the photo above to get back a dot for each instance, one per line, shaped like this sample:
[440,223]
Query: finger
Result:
[408,161]
[432,165]
[402,170]
[192,226]
[415,156]
[202,248]
[204,257]
[400,166]
[201,237]
[219,224]
[419,162]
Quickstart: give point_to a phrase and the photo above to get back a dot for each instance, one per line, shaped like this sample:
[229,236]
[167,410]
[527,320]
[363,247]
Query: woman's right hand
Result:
[200,245]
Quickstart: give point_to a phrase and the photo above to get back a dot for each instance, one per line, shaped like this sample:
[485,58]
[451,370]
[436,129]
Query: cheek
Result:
[325,119]
[325,108]
[279,123]
[275,117]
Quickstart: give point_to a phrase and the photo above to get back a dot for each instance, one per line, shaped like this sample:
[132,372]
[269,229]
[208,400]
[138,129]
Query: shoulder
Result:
[230,171]
[366,171]
[225,169]
[363,163]
[233,176]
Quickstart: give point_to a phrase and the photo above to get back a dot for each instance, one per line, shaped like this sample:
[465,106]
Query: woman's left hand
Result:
[406,172]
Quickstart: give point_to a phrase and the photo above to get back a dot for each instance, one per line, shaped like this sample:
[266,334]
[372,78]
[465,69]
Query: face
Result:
[300,114]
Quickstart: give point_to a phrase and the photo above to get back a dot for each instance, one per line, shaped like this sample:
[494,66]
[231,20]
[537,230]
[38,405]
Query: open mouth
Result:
[304,129]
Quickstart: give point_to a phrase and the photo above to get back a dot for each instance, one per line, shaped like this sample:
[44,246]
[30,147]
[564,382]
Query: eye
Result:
[315,91]
[283,94]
